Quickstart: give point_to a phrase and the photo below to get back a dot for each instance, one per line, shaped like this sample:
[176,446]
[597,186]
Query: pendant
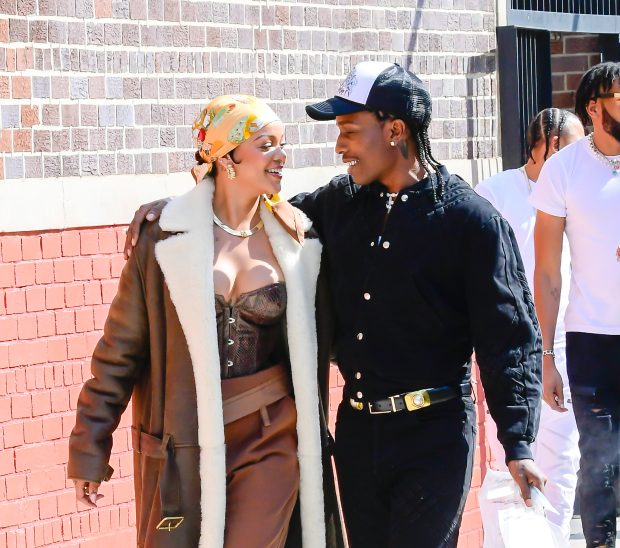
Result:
[390,202]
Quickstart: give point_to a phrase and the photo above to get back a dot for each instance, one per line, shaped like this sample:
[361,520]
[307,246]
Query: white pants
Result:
[555,450]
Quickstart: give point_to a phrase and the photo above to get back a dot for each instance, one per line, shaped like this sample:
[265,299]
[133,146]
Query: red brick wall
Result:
[55,289]
[571,55]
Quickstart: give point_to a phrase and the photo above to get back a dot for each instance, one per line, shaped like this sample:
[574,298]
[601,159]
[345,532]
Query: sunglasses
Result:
[610,95]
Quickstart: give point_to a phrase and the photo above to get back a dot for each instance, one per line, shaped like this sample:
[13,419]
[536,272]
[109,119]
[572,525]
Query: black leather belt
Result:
[412,401]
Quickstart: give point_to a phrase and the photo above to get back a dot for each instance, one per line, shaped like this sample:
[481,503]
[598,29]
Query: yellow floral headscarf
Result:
[225,123]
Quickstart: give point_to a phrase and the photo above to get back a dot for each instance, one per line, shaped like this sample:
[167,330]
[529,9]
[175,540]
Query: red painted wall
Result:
[55,289]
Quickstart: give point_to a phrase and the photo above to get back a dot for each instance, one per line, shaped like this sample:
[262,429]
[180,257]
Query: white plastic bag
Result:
[508,523]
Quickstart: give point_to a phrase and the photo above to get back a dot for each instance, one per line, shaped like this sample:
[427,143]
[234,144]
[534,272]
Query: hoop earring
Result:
[230,170]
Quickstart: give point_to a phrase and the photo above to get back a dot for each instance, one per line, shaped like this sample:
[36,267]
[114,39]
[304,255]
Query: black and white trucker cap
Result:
[377,86]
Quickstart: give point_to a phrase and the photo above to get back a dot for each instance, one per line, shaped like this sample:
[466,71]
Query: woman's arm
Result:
[119,358]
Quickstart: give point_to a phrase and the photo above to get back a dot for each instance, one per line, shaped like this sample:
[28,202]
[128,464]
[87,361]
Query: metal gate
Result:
[524,70]
[524,58]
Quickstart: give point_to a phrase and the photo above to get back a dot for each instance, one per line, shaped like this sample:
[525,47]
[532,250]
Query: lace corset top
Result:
[250,331]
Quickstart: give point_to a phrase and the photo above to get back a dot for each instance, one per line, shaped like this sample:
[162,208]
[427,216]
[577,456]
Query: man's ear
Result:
[593,108]
[398,130]
[555,143]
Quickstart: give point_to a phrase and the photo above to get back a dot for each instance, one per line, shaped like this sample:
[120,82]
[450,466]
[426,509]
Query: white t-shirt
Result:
[576,185]
[509,193]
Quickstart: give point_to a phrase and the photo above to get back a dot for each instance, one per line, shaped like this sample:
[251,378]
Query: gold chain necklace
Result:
[238,233]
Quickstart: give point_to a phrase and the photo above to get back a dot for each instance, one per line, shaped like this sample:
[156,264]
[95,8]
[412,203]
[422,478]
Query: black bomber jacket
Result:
[416,291]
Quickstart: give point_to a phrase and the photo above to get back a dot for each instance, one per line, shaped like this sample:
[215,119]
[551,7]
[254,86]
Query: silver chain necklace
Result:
[235,232]
[612,162]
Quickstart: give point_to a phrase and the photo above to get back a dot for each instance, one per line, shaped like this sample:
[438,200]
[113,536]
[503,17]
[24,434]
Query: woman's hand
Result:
[150,212]
[86,492]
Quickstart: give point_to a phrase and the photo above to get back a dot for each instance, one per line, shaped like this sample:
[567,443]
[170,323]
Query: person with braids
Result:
[578,195]
[421,270]
[555,448]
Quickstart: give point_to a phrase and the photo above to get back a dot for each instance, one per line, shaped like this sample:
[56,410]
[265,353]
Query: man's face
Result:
[364,145]
[609,116]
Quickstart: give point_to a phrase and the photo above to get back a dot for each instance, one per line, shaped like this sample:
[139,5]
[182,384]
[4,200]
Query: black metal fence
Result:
[524,66]
[593,16]
[585,7]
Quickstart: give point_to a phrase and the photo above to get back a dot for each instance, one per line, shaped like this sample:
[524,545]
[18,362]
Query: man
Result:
[578,193]
[421,271]
[556,448]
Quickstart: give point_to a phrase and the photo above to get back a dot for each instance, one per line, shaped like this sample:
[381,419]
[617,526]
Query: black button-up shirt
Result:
[416,290]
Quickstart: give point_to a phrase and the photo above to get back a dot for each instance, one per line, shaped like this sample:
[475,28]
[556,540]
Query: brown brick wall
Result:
[110,87]
[571,55]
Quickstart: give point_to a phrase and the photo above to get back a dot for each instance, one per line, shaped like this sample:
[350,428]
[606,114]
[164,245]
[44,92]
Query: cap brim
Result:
[336,106]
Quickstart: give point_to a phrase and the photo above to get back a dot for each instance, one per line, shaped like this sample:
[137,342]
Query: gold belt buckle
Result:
[417,400]
[170,523]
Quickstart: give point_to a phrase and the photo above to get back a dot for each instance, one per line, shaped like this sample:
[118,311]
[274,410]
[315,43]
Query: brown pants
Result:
[261,467]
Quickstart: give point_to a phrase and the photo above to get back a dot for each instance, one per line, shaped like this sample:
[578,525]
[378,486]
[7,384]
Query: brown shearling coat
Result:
[159,347]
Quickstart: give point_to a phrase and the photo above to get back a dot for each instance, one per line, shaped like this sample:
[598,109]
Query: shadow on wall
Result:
[413,41]
[481,118]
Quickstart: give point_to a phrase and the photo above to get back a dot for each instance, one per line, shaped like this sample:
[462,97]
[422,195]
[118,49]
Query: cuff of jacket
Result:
[517,450]
[88,473]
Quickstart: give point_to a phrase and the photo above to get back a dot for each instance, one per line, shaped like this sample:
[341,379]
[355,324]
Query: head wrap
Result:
[225,123]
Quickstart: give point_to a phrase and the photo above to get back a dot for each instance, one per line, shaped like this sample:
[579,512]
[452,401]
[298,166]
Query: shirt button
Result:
[367,296]
[404,197]
[386,245]
[230,342]
[381,195]
[359,395]
[372,244]
[229,363]
[358,375]
[231,320]
[360,336]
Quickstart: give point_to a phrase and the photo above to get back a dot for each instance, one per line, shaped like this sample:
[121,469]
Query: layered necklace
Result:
[235,232]
[612,162]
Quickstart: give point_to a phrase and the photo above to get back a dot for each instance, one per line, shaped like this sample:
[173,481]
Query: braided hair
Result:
[425,156]
[548,123]
[600,78]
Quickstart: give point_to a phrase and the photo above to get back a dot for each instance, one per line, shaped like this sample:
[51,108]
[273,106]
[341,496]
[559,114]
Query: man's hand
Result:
[150,212]
[553,386]
[86,492]
[526,474]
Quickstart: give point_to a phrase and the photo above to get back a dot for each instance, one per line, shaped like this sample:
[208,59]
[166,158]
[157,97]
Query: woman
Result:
[212,323]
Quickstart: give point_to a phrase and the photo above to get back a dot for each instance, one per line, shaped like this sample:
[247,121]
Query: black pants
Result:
[593,364]
[404,477]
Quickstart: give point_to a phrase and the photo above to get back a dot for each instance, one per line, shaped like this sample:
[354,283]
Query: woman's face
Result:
[258,161]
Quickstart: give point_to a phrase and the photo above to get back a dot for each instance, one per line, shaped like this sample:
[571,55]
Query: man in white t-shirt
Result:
[555,448]
[578,193]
